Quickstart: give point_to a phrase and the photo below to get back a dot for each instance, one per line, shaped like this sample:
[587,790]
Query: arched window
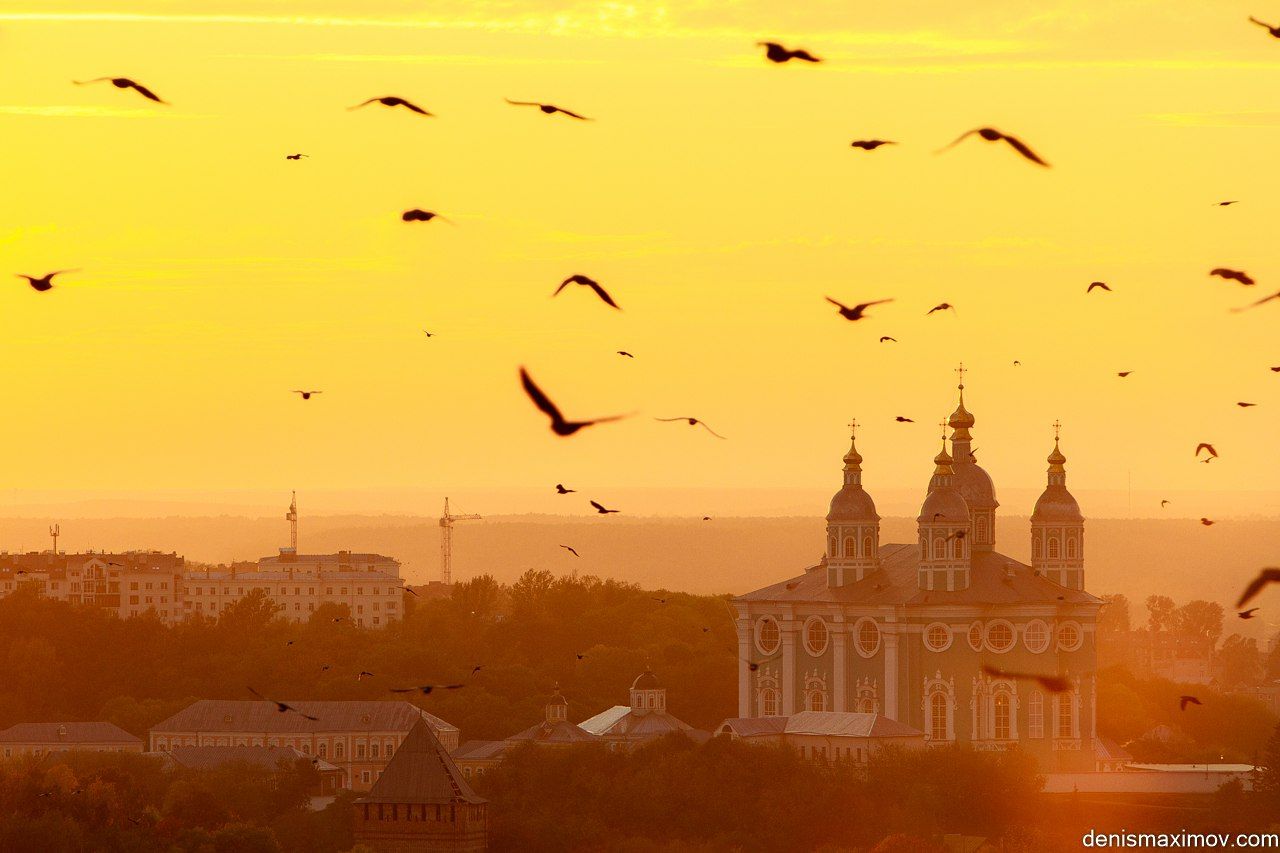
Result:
[938,716]
[373,750]
[322,750]
[769,702]
[1053,547]
[866,705]
[816,700]
[1066,716]
[835,547]
[924,548]
[939,548]
[981,528]
[1035,715]
[1002,707]
[1035,547]
[868,547]
[959,547]
[1071,548]
[339,750]
[850,547]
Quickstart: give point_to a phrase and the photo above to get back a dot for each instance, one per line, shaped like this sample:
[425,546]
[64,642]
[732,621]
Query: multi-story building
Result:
[48,738]
[359,737]
[369,584]
[129,583]
[945,634]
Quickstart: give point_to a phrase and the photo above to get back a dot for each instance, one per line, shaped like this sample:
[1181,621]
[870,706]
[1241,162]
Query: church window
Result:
[322,750]
[999,635]
[939,548]
[937,637]
[1035,636]
[339,750]
[958,548]
[768,635]
[981,531]
[866,705]
[975,636]
[1002,711]
[769,702]
[1035,547]
[924,549]
[835,547]
[868,547]
[868,635]
[815,635]
[1066,716]
[1071,548]
[1069,636]
[1053,547]
[850,548]
[816,700]
[1035,715]
[938,711]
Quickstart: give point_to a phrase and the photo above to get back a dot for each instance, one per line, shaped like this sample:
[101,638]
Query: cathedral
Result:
[931,633]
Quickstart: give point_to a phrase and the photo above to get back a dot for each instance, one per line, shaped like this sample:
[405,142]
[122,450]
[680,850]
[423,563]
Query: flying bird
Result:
[549,109]
[1203,446]
[1261,301]
[1017,363]
[306,395]
[587,281]
[870,144]
[392,101]
[559,425]
[571,550]
[417,214]
[125,83]
[992,135]
[1184,701]
[1275,31]
[1246,405]
[1052,683]
[1270,574]
[775,52]
[412,591]
[1097,284]
[1122,374]
[428,334]
[580,656]
[1275,370]
[900,419]
[625,353]
[363,674]
[706,518]
[281,706]
[1207,522]
[1232,275]
[1225,203]
[752,666]
[476,669]
[295,156]
[561,490]
[44,282]
[884,338]
[857,311]
[1247,614]
[691,422]
[945,306]
[426,689]
[601,510]
[1164,504]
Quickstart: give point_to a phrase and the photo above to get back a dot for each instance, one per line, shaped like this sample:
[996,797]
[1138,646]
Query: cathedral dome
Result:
[960,418]
[852,504]
[976,485]
[944,505]
[646,681]
[1056,504]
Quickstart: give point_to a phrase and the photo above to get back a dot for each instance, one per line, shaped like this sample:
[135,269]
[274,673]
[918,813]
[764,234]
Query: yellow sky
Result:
[715,196]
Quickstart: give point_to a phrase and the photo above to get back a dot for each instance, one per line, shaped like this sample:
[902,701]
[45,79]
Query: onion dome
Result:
[852,503]
[646,681]
[944,504]
[1056,504]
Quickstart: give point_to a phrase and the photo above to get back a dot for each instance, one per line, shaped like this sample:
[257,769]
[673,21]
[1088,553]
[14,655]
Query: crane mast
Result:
[446,541]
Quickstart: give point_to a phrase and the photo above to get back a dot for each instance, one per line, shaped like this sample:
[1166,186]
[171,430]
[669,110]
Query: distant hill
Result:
[1176,557]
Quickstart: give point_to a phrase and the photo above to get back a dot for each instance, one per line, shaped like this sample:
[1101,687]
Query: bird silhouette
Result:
[1017,363]
[1052,683]
[1270,574]
[1246,405]
[125,83]
[944,306]
[1184,701]
[691,422]
[1225,203]
[1122,374]
[282,706]
[417,214]
[706,518]
[625,353]
[775,52]
[426,689]
[559,425]
[1275,31]
[1232,275]
[1247,614]
[1164,504]
[561,490]
[857,311]
[601,510]
[412,591]
[1097,284]
[428,334]
[870,144]
[571,550]
[306,395]
[1275,370]
[392,101]
[549,109]
[45,282]
[580,656]
[1261,301]
[705,629]
[752,666]
[1207,522]
[900,419]
[884,338]
[295,156]
[1206,446]
[476,669]
[363,674]
[587,281]
[992,135]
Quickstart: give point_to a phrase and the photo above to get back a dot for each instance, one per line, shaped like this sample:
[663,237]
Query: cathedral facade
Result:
[932,633]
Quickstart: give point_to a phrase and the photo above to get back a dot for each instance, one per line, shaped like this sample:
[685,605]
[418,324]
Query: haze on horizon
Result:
[715,196]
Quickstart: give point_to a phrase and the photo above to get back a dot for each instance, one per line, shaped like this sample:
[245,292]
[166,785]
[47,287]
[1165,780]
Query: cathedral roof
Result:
[994,579]
[1057,504]
[944,505]
[646,681]
[974,483]
[852,503]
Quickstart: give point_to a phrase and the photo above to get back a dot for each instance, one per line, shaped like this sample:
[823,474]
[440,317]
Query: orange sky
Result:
[715,196]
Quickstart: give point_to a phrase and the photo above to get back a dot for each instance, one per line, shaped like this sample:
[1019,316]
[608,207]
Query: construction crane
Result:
[446,541]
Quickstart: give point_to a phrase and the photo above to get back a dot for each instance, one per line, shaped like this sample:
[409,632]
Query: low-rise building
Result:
[826,735]
[645,719]
[48,738]
[128,583]
[475,757]
[358,737]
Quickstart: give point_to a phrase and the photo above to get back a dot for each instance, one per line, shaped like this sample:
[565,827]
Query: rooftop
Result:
[67,733]
[235,715]
[421,772]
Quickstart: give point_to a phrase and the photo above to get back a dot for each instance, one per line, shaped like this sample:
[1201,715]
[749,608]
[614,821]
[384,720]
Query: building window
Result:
[1069,637]
[769,702]
[975,636]
[323,750]
[364,777]
[938,710]
[937,637]
[359,750]
[373,750]
[816,700]
[868,635]
[1066,716]
[1035,547]
[1035,636]
[1035,715]
[815,636]
[339,750]
[850,549]
[1071,548]
[768,635]
[1002,707]
[1053,547]
[958,548]
[981,528]
[868,547]
[939,548]
[866,705]
[924,549]
[999,635]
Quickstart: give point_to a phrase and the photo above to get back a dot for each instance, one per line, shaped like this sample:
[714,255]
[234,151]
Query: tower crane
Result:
[446,541]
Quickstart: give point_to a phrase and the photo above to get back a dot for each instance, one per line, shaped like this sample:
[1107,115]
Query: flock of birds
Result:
[563,427]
